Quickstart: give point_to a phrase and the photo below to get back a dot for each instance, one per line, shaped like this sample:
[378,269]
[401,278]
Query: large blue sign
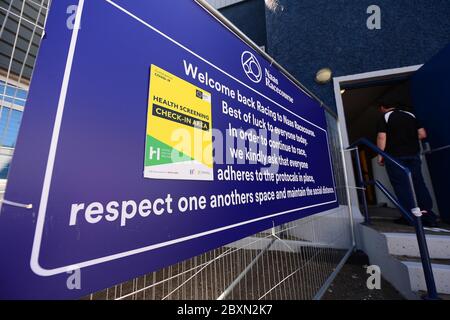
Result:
[93,187]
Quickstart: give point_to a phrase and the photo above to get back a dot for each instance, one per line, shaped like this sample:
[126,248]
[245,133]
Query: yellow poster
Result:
[179,129]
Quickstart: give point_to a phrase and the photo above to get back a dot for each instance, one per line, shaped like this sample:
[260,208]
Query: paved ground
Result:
[350,284]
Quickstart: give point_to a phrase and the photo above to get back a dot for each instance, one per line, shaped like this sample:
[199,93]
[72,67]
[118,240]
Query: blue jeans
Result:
[400,182]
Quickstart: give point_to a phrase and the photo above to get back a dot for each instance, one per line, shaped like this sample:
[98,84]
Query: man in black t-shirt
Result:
[399,134]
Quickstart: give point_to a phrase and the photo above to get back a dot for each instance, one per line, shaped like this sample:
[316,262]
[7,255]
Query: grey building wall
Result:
[250,17]
[307,35]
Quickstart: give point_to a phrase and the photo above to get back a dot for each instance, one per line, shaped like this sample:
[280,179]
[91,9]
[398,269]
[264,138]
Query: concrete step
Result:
[388,251]
[405,244]
[441,272]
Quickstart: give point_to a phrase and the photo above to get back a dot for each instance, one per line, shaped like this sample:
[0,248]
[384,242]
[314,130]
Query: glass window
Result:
[10,120]
[11,99]
[13,94]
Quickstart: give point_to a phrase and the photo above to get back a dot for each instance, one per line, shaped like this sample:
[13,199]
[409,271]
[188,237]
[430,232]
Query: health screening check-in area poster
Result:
[179,131]
[78,198]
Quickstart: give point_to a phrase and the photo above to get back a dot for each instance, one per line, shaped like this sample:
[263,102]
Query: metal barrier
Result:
[414,217]
[295,261]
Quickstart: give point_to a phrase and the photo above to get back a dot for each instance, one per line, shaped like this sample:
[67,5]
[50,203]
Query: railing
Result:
[413,217]
[428,150]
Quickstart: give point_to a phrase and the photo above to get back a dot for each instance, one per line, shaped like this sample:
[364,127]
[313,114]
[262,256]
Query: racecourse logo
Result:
[251,66]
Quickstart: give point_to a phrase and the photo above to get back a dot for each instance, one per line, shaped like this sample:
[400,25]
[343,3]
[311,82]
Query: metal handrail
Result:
[430,151]
[414,217]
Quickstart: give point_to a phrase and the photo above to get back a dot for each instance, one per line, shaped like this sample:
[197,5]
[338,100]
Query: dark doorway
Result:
[360,101]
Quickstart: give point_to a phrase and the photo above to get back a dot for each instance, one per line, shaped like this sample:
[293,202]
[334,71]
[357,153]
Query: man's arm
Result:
[381,143]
